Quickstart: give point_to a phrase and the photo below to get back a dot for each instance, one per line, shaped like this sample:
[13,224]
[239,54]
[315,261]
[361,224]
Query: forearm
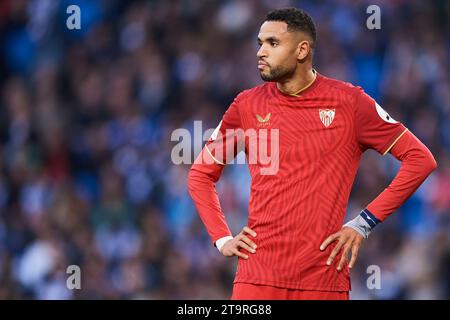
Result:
[201,185]
[417,164]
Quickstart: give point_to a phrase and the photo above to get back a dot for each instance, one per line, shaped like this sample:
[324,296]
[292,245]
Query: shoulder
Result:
[346,89]
[253,93]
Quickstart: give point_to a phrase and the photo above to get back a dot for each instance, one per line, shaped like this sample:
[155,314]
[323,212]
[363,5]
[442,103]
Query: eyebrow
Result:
[269,39]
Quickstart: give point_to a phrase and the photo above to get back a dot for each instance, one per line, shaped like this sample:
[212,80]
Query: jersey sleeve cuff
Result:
[363,223]
[222,241]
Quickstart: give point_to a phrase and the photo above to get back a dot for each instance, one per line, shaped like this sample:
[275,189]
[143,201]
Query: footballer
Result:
[295,244]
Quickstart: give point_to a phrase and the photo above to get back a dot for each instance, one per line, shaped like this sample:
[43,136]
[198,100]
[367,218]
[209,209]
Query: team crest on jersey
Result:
[327,116]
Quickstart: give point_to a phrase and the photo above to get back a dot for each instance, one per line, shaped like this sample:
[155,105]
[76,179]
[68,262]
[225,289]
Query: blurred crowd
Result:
[86,116]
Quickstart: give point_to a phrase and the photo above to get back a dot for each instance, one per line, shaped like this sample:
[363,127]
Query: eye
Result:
[274,44]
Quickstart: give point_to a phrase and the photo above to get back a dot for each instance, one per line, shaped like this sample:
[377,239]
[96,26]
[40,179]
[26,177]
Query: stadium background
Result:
[86,116]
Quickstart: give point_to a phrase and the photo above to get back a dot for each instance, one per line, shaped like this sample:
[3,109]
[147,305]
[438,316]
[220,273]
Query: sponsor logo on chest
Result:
[262,122]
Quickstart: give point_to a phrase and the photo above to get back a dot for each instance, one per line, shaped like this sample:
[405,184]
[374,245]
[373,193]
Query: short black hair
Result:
[296,20]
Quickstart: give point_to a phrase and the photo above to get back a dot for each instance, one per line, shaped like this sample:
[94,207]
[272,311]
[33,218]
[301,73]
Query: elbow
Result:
[191,180]
[429,163]
[196,179]
[432,164]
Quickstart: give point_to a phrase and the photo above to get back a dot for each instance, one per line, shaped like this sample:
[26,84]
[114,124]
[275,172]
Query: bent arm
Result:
[417,164]
[203,175]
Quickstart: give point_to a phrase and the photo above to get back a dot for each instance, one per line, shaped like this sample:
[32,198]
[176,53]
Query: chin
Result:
[266,77]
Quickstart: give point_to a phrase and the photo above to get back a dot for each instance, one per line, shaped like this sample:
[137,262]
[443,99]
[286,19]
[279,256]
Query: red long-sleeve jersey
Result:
[301,185]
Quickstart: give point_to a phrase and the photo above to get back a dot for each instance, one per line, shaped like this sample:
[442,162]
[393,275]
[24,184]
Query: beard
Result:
[276,74]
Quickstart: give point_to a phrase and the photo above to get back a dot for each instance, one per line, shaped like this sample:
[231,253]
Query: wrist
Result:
[363,223]
[220,242]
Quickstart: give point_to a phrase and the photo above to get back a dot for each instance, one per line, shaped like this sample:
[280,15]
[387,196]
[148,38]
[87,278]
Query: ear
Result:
[303,49]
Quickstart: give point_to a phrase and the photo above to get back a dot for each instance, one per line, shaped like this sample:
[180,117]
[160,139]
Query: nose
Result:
[261,52]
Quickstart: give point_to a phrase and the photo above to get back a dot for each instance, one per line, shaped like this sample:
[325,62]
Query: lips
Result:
[262,64]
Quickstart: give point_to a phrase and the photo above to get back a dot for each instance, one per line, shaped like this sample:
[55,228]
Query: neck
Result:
[299,82]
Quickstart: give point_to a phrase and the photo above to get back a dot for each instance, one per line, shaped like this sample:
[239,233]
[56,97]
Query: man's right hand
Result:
[231,247]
